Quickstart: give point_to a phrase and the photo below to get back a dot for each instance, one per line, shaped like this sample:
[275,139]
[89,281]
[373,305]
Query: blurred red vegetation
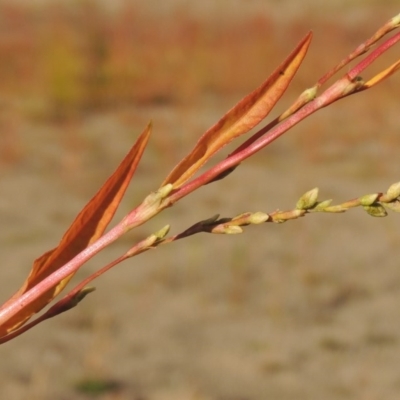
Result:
[63,59]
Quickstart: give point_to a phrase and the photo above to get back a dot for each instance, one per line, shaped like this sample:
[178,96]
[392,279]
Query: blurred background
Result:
[303,310]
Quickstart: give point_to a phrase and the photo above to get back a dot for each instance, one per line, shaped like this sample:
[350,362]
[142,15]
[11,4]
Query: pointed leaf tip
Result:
[369,199]
[393,191]
[308,200]
[244,116]
[382,75]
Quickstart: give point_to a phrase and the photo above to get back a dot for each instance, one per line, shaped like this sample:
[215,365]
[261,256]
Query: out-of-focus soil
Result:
[303,310]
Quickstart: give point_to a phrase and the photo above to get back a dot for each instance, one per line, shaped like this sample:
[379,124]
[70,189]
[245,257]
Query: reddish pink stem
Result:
[71,267]
[354,72]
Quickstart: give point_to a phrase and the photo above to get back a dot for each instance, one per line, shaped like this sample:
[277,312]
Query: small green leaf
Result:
[309,94]
[375,210]
[160,235]
[156,197]
[308,200]
[322,205]
[336,209]
[395,21]
[258,218]
[369,199]
[393,191]
[83,293]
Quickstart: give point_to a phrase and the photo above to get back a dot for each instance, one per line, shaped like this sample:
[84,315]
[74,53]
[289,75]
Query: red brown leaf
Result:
[87,227]
[244,116]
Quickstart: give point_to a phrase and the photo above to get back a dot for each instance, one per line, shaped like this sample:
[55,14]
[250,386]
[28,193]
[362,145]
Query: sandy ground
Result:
[303,310]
